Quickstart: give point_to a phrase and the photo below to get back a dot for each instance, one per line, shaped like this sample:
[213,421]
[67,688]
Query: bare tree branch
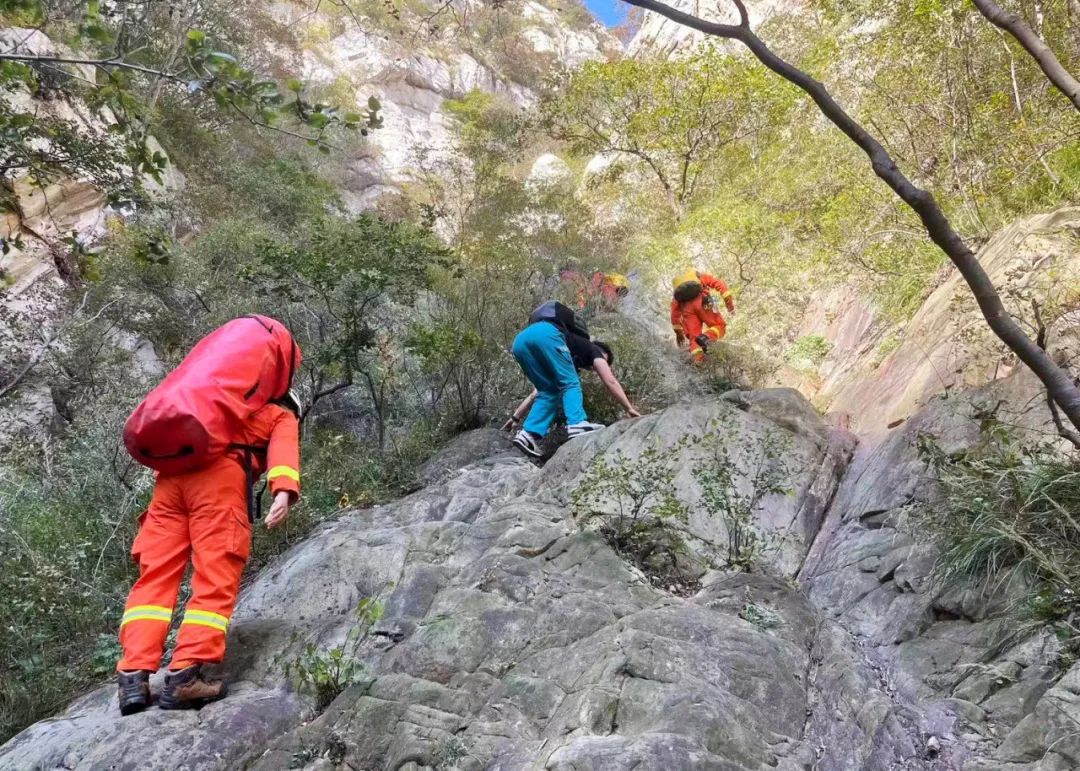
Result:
[37,356]
[1059,384]
[1040,339]
[33,59]
[1062,79]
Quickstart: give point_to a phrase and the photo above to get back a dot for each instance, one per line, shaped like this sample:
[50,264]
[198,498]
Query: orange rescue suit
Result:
[202,515]
[699,317]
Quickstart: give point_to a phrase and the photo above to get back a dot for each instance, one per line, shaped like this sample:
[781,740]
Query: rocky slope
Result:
[514,639]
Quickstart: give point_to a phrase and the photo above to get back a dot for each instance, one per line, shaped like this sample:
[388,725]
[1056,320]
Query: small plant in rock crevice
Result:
[326,673]
[736,505]
[759,615]
[635,505]
[448,753]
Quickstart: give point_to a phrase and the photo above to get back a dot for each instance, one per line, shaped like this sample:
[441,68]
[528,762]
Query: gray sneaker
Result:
[528,443]
[584,427]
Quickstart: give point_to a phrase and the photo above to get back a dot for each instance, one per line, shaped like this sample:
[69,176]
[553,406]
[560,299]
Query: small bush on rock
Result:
[736,505]
[1011,516]
[326,673]
[632,503]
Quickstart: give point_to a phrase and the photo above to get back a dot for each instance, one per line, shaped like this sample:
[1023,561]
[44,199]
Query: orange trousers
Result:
[201,517]
[701,320]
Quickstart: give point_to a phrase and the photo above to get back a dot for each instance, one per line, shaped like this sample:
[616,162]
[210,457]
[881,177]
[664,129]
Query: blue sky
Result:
[609,12]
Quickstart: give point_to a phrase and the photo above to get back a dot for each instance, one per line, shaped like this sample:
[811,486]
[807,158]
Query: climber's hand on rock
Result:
[510,424]
[279,510]
[633,413]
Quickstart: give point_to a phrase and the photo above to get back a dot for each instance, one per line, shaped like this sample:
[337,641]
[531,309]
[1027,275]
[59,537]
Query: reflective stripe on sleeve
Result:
[147,613]
[205,618]
[283,471]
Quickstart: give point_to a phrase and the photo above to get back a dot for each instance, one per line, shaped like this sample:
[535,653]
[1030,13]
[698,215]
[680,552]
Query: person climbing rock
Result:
[550,351]
[601,291]
[216,423]
[694,315]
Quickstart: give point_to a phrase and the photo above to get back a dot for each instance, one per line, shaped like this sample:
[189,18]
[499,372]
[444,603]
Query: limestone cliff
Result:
[417,58]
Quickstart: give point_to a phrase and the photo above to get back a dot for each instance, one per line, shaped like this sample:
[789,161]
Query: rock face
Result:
[661,37]
[513,638]
[413,66]
[880,376]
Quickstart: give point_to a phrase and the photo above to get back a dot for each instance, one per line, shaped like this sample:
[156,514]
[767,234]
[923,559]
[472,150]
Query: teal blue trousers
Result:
[541,351]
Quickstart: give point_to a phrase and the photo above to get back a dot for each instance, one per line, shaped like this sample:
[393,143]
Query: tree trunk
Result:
[1059,384]
[1010,22]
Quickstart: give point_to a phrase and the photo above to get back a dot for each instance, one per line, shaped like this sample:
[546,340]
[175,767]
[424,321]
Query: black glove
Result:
[703,341]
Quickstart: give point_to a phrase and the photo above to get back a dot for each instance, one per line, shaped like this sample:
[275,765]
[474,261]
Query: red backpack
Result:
[200,408]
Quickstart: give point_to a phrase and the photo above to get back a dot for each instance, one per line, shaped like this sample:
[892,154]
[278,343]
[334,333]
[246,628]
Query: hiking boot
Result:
[134,691]
[584,427]
[187,689]
[528,443]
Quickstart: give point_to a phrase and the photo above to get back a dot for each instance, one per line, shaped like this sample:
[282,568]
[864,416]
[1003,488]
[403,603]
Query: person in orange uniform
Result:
[204,515]
[694,314]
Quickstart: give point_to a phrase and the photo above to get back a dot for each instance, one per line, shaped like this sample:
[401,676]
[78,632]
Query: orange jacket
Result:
[709,284]
[278,430]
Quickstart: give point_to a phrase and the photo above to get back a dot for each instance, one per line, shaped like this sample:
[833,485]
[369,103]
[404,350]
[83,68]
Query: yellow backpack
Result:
[686,286]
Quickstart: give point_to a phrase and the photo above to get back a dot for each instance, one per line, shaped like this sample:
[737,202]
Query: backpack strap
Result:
[254,504]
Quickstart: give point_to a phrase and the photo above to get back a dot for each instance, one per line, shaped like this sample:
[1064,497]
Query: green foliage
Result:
[324,674]
[1009,518]
[448,753]
[673,116]
[67,517]
[736,505]
[628,492]
[808,351]
[145,54]
[759,615]
[633,503]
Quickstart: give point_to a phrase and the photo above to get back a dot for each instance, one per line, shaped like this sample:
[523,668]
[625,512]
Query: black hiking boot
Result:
[134,691]
[188,689]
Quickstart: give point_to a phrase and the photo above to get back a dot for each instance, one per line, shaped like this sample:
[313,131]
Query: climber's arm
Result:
[522,410]
[283,467]
[712,282]
[677,323]
[614,387]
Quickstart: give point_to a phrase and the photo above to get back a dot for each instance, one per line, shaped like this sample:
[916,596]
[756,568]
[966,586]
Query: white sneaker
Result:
[528,443]
[583,428]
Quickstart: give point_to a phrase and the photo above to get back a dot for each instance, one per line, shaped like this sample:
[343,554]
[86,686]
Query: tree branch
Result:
[1051,66]
[37,356]
[32,59]
[1040,339]
[1059,385]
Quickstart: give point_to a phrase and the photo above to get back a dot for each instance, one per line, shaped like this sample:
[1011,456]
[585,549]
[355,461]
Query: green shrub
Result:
[326,673]
[736,505]
[67,518]
[808,352]
[1010,516]
[633,504]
